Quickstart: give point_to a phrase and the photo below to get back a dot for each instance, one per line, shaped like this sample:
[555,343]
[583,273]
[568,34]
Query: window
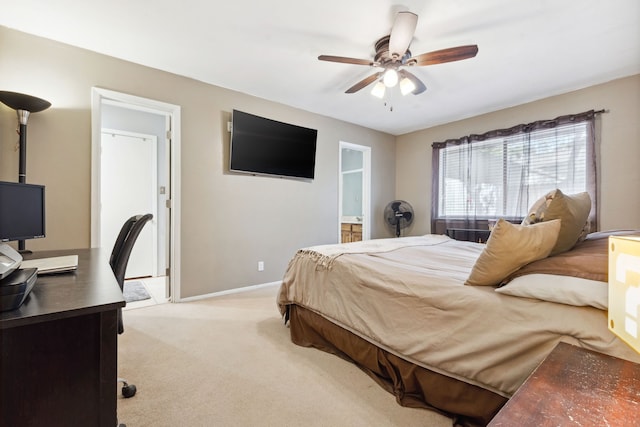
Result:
[501,173]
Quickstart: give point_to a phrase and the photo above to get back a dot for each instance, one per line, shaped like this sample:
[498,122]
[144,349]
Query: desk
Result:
[576,387]
[58,350]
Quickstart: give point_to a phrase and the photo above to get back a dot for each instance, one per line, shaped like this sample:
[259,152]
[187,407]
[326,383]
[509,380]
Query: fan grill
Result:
[398,215]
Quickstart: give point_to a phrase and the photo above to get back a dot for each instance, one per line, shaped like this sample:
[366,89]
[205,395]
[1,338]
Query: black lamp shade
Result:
[20,101]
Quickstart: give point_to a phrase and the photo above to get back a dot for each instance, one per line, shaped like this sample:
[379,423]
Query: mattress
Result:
[407,298]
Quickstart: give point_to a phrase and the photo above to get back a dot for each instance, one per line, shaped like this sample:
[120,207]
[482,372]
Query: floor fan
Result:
[398,215]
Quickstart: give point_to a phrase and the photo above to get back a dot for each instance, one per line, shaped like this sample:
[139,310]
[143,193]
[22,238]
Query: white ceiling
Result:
[528,49]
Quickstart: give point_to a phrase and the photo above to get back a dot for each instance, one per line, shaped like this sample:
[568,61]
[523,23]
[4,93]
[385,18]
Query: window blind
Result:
[499,174]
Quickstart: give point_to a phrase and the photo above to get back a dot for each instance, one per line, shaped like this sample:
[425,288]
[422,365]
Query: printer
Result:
[15,282]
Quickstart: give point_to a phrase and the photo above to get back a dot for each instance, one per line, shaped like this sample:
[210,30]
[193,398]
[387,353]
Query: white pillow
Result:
[561,289]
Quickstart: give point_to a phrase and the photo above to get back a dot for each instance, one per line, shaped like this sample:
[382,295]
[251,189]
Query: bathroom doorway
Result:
[354,193]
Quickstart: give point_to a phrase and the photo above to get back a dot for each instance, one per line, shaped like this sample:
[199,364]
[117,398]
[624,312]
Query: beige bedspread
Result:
[408,297]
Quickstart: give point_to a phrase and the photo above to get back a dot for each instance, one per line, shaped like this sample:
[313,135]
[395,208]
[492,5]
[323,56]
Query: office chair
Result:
[118,261]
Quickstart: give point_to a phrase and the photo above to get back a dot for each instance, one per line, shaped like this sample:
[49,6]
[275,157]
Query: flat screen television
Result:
[269,147]
[21,211]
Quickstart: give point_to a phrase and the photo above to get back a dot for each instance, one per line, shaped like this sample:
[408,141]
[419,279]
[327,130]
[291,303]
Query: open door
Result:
[354,192]
[132,116]
[128,187]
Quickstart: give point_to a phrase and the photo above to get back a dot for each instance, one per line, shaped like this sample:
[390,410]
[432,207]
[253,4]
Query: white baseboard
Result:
[230,291]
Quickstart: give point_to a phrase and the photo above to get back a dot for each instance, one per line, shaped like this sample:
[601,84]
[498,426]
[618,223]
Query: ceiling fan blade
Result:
[345,60]
[447,55]
[363,83]
[402,33]
[420,87]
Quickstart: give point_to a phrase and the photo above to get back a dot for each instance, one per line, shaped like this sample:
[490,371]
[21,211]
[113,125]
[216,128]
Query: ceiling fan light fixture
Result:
[390,78]
[407,86]
[392,55]
[378,90]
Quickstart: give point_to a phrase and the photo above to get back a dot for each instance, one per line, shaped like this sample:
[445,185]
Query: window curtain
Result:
[499,174]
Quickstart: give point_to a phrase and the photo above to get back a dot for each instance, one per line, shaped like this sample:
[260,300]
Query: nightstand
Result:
[576,387]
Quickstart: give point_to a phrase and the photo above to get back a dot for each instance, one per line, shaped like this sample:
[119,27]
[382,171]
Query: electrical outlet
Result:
[260,265]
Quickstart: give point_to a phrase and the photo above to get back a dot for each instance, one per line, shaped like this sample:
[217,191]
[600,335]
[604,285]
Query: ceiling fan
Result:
[392,55]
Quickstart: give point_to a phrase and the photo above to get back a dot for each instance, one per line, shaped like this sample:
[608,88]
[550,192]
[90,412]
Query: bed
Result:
[404,311]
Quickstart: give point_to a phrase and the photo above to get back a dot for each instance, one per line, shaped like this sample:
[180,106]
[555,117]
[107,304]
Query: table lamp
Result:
[624,289]
[24,105]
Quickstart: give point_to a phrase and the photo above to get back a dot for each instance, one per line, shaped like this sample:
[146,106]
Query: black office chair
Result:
[118,261]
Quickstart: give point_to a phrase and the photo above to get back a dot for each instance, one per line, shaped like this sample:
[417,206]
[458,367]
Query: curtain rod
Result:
[521,128]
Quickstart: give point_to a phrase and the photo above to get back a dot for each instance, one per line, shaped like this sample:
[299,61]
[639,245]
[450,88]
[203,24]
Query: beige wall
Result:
[619,174]
[229,221]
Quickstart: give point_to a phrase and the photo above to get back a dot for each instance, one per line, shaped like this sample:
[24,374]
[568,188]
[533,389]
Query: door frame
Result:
[172,113]
[366,187]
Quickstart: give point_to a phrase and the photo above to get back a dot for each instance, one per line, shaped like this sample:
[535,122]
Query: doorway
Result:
[147,131]
[354,192]
[131,190]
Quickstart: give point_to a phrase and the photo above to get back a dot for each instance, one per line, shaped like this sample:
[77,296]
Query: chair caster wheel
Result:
[128,390]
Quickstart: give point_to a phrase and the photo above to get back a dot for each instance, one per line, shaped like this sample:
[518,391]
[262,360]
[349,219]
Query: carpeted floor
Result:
[229,361]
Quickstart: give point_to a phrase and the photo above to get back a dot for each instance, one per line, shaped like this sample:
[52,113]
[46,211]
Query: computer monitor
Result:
[22,214]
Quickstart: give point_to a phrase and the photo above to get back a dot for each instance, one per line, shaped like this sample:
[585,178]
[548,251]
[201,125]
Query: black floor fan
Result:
[398,215]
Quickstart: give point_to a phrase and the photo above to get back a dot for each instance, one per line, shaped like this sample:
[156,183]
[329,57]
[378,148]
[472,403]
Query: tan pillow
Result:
[573,210]
[510,247]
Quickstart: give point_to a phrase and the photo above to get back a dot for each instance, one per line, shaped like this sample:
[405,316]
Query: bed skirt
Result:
[412,385]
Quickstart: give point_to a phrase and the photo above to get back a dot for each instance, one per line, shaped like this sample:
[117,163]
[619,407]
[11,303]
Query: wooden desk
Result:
[58,364]
[576,387]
